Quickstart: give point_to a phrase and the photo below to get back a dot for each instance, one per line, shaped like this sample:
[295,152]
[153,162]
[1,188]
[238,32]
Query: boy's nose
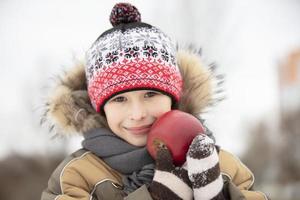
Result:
[138,112]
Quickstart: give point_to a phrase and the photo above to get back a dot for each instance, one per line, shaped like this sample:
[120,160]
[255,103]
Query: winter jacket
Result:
[85,176]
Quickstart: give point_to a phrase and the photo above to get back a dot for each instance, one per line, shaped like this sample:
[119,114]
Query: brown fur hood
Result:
[68,109]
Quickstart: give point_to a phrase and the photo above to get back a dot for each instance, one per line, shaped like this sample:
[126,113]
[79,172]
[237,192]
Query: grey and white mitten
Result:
[204,170]
[169,182]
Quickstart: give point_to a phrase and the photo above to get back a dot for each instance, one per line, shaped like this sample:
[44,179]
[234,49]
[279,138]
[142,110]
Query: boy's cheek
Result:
[161,112]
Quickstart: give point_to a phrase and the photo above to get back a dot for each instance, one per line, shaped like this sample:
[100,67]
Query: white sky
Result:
[247,39]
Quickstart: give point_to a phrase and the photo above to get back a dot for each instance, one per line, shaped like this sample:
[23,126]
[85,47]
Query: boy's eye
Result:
[119,99]
[150,94]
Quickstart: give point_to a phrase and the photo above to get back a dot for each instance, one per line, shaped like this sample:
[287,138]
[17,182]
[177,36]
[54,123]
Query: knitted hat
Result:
[131,56]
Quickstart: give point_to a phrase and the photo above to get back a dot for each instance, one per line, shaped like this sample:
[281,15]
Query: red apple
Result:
[175,129]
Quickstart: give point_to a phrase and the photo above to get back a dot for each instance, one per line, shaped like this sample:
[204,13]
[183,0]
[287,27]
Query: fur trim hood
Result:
[68,109]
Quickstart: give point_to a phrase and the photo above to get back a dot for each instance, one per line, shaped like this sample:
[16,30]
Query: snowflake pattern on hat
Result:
[141,41]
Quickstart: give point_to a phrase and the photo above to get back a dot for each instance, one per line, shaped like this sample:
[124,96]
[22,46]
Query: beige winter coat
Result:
[83,175]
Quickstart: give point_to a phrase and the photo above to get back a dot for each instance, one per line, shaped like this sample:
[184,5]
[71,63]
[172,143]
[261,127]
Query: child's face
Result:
[130,115]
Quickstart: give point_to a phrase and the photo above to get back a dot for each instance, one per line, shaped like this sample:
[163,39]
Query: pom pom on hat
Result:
[124,13]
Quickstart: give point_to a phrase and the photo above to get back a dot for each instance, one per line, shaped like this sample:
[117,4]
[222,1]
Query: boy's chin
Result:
[138,143]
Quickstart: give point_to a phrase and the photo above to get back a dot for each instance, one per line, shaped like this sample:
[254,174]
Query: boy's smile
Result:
[130,115]
[139,130]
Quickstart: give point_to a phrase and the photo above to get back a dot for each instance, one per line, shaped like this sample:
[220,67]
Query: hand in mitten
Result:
[169,182]
[204,170]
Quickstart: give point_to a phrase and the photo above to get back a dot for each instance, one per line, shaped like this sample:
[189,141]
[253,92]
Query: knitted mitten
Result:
[203,169]
[169,182]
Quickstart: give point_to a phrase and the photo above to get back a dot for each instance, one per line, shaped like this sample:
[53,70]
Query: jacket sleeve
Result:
[70,188]
[81,176]
[238,176]
[49,195]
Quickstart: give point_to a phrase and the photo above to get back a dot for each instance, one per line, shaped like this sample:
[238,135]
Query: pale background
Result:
[246,39]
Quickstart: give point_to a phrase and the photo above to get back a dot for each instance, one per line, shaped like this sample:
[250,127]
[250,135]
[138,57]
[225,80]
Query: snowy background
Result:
[247,40]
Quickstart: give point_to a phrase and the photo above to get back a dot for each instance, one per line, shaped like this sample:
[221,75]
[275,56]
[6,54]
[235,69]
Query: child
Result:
[132,76]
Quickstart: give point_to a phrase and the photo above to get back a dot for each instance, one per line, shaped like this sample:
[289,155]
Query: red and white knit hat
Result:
[131,56]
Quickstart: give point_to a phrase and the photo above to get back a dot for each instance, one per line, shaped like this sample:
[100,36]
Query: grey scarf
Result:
[133,162]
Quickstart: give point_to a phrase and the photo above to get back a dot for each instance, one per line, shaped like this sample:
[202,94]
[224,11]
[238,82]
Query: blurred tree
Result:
[290,151]
[258,157]
[25,177]
[276,164]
